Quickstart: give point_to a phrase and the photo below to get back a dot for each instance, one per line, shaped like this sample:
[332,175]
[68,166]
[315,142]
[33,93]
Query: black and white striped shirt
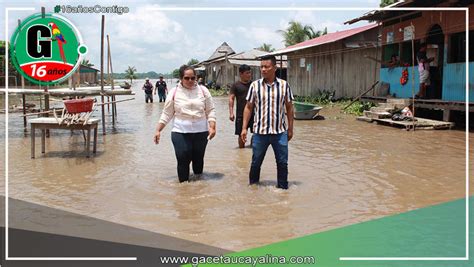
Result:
[269,105]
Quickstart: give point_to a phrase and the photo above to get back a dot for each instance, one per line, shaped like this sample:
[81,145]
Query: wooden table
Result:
[51,123]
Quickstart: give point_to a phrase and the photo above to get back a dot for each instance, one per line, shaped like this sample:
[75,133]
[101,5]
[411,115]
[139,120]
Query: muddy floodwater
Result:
[341,172]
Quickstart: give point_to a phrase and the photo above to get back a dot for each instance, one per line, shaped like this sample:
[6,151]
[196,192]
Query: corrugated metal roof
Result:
[249,57]
[250,54]
[325,39]
[247,62]
[391,11]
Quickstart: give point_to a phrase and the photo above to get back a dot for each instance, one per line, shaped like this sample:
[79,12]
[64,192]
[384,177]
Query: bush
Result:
[323,97]
[217,92]
[357,108]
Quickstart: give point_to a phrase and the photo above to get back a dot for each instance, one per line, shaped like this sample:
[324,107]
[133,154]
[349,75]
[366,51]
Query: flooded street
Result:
[341,172]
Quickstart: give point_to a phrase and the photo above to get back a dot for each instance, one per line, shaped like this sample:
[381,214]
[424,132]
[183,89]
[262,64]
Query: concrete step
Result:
[399,102]
[382,109]
[364,118]
[377,115]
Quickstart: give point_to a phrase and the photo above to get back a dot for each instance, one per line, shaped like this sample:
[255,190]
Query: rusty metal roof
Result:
[325,39]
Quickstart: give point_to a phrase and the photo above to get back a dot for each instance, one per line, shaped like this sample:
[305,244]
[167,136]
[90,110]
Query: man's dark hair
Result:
[161,76]
[272,58]
[243,68]
[184,68]
[423,45]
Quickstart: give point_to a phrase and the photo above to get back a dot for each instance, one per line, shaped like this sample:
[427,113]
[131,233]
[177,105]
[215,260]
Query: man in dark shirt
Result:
[239,90]
[161,89]
[148,88]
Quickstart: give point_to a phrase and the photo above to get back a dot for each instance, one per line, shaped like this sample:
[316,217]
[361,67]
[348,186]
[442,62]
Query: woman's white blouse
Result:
[191,109]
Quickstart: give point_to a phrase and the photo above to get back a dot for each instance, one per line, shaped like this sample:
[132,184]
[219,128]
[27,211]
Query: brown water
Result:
[341,171]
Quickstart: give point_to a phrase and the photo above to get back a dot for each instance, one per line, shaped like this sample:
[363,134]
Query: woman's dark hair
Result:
[184,68]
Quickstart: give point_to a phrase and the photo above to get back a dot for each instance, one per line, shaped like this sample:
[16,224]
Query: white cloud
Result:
[145,25]
[373,2]
[333,26]
[170,55]
[258,35]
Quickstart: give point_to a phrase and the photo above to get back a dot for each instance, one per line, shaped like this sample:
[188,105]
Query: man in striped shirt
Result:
[269,98]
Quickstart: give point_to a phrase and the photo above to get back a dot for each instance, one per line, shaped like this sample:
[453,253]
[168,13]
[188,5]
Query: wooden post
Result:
[46,105]
[108,74]
[40,99]
[114,105]
[377,55]
[102,72]
[23,98]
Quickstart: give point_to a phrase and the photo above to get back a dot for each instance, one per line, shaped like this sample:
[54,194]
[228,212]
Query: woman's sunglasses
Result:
[193,78]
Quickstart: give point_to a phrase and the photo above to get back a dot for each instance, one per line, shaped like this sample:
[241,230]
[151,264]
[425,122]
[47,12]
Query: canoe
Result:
[305,111]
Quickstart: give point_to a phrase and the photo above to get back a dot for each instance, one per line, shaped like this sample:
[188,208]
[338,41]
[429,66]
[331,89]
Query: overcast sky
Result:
[155,40]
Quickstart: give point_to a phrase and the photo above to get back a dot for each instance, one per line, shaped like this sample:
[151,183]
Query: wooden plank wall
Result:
[227,77]
[333,68]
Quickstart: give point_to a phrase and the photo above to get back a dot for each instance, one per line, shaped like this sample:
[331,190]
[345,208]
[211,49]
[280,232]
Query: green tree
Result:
[384,3]
[266,47]
[130,73]
[297,33]
[87,63]
[192,61]
[176,73]
[312,34]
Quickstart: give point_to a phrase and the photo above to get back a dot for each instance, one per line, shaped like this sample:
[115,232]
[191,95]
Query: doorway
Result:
[435,42]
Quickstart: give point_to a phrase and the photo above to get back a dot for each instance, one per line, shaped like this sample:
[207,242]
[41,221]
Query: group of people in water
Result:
[264,106]
[160,88]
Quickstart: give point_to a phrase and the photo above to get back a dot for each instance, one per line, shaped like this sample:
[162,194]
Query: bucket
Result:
[79,105]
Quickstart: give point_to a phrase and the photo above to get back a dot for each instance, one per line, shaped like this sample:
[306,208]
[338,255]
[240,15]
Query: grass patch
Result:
[357,108]
[217,92]
[325,98]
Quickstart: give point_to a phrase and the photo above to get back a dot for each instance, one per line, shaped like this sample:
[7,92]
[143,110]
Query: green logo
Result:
[46,50]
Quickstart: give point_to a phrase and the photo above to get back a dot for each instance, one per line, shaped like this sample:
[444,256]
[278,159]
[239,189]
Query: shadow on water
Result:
[273,183]
[209,176]
[69,155]
[205,176]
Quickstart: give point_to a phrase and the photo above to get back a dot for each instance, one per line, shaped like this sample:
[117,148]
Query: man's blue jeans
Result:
[279,143]
[162,96]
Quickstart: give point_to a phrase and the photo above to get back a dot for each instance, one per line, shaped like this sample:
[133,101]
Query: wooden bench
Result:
[51,123]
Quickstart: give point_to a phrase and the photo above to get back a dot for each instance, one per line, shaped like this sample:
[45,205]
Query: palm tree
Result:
[266,47]
[297,33]
[87,63]
[192,61]
[312,34]
[130,73]
[175,73]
